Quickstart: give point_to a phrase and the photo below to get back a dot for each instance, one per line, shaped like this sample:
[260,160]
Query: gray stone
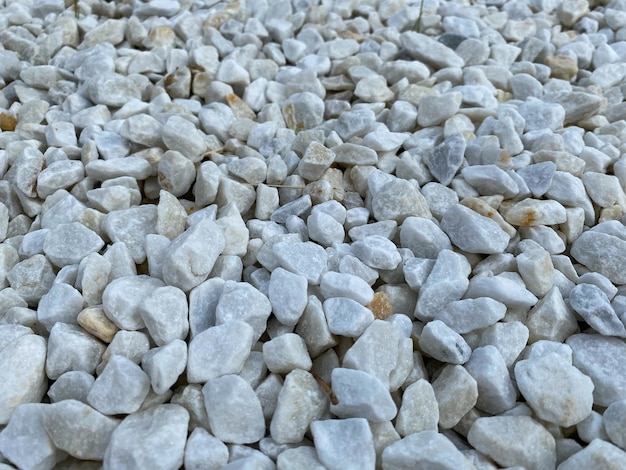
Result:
[164,312]
[490,180]
[419,410]
[496,392]
[218,351]
[426,448]
[473,232]
[193,254]
[71,348]
[288,295]
[165,364]
[338,441]
[361,395]
[514,440]
[22,375]
[300,402]
[334,284]
[603,253]
[135,167]
[354,154]
[614,419]
[78,429]
[303,111]
[62,303]
[131,226]
[31,278]
[121,387]
[73,385]
[347,317]
[509,290]
[112,89]
[181,135]
[299,457]
[241,301]
[592,304]
[142,129]
[602,359]
[468,315]
[395,198]
[286,353]
[598,454]
[442,343]
[445,159]
[234,410]
[377,252]
[376,351]
[430,51]
[123,297]
[163,431]
[446,283]
[313,328]
[176,172]
[25,442]
[538,177]
[58,175]
[70,243]
[204,451]
[456,392]
[538,379]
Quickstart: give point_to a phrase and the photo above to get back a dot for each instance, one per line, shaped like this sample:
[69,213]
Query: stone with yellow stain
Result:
[531,212]
[94,321]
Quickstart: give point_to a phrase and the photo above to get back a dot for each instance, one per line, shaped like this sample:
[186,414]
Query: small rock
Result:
[514,440]
[70,243]
[218,351]
[598,454]
[300,402]
[241,301]
[131,226]
[204,451]
[473,232]
[123,296]
[456,392]
[591,303]
[419,410]
[603,253]
[338,441]
[22,375]
[165,364]
[602,359]
[468,315]
[347,317]
[361,395]
[430,51]
[163,431]
[426,448]
[531,212]
[443,343]
[70,348]
[73,385]
[286,353]
[496,393]
[234,410]
[120,388]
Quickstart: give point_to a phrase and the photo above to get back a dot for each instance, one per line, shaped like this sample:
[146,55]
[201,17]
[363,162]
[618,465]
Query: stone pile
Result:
[313,234]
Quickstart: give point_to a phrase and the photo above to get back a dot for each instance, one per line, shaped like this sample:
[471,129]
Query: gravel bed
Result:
[308,234]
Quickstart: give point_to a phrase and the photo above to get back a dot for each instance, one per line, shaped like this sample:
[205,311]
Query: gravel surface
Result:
[307,234]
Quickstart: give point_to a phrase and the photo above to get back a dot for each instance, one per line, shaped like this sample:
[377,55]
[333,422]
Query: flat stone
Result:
[190,259]
[123,296]
[490,180]
[163,431]
[299,457]
[219,350]
[334,284]
[59,175]
[361,395]
[456,392]
[70,348]
[373,89]
[434,110]
[419,410]
[181,135]
[22,375]
[446,283]
[442,343]
[536,378]
[121,387]
[601,358]
[25,442]
[578,105]
[340,440]
[69,243]
[592,304]
[234,410]
[324,229]
[300,402]
[530,212]
[241,301]
[428,448]
[354,154]
[539,115]
[473,232]
[508,440]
